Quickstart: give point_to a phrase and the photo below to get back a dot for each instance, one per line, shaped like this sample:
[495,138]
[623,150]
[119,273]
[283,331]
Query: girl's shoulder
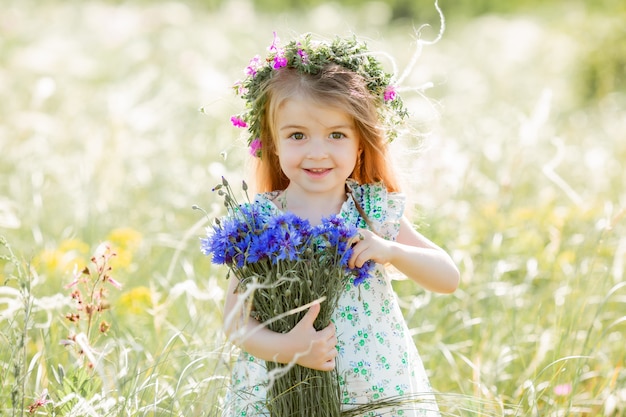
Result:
[377,202]
[266,201]
[267,196]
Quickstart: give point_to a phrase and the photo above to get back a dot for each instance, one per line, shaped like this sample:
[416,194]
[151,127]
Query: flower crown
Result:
[309,57]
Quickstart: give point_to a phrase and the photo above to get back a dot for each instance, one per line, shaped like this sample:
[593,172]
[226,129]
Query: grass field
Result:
[114,122]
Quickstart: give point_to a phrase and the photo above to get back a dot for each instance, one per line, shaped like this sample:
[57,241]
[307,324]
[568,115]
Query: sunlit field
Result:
[114,122]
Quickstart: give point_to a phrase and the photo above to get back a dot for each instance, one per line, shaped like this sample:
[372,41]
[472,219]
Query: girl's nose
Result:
[317,149]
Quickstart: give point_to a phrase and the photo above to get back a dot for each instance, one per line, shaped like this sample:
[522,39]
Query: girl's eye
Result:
[297,136]
[337,135]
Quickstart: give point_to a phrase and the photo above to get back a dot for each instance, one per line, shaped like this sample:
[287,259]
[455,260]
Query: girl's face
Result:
[317,146]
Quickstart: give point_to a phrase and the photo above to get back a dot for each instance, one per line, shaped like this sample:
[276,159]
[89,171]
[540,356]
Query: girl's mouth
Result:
[317,171]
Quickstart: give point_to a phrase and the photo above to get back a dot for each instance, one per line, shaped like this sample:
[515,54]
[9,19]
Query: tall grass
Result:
[102,140]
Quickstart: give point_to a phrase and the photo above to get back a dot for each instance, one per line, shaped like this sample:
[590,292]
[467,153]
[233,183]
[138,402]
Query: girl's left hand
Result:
[369,246]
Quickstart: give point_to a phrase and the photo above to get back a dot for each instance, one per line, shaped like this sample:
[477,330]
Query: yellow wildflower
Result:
[69,253]
[125,242]
[136,300]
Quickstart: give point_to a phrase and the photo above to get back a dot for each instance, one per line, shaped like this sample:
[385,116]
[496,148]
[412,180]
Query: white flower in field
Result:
[82,341]
[8,214]
[12,298]
[189,288]
[615,403]
[610,405]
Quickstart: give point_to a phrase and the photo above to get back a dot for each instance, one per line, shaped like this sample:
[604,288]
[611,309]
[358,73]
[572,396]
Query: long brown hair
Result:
[333,86]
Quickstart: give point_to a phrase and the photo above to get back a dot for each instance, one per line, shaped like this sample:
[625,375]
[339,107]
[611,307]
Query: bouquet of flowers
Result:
[288,263]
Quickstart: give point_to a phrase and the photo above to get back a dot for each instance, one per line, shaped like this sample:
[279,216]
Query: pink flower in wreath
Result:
[238,122]
[255,147]
[280,60]
[254,66]
[390,93]
[303,55]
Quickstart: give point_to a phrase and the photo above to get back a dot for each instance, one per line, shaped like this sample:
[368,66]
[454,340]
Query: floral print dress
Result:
[377,358]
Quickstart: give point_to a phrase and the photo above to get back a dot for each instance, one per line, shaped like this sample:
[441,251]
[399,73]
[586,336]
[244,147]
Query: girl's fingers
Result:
[311,315]
[358,257]
[332,355]
[360,236]
[328,332]
[365,244]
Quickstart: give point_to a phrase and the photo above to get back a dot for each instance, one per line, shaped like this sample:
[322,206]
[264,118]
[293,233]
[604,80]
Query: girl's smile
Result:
[317,172]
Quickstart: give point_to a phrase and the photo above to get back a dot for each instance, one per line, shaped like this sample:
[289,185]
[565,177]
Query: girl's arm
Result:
[302,345]
[412,254]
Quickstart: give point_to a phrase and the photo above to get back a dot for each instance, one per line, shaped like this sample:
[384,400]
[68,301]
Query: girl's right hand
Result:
[312,348]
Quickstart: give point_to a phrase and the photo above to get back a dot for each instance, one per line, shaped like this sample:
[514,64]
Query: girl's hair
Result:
[333,86]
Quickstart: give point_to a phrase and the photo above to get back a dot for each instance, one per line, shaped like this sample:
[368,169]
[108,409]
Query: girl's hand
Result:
[312,348]
[369,246]
[411,253]
[302,345]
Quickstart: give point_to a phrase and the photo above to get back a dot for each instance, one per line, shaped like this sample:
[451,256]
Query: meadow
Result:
[114,122]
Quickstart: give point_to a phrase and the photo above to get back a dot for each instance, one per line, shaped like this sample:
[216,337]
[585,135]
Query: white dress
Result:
[377,357]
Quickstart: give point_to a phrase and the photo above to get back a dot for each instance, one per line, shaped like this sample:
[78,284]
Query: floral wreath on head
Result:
[309,57]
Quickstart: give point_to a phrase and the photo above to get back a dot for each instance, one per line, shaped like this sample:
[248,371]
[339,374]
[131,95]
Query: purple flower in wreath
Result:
[304,56]
[254,66]
[390,93]
[274,46]
[280,60]
[238,121]
[255,147]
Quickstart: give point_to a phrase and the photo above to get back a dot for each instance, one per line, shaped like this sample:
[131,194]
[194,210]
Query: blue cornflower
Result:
[302,225]
[218,244]
[345,252]
[259,247]
[251,215]
[206,247]
[229,241]
[362,273]
[287,234]
[336,233]
[250,234]
[323,235]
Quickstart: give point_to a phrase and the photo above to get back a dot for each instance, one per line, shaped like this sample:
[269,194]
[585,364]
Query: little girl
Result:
[321,116]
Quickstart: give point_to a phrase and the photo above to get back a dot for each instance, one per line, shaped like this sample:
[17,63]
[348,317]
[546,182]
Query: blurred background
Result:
[114,121]
[100,120]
